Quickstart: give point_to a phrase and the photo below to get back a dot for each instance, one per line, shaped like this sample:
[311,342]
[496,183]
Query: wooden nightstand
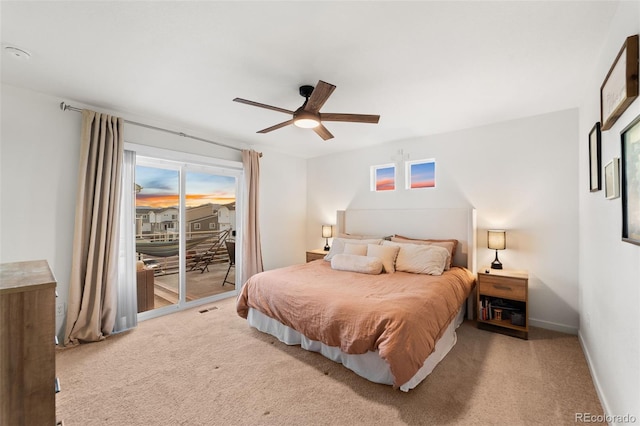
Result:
[502,301]
[316,254]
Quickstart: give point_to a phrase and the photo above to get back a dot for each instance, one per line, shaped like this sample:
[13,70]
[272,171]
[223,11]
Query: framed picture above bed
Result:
[383,177]
[420,174]
[595,161]
[630,182]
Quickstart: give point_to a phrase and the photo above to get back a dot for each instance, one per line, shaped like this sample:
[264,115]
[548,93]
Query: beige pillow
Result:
[421,258]
[386,253]
[359,249]
[355,263]
[338,245]
[450,245]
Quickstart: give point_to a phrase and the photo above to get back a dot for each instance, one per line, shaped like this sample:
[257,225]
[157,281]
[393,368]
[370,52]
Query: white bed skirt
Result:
[368,365]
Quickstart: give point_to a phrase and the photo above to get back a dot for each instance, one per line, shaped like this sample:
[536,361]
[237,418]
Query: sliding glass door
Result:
[157,186]
[210,227]
[185,231]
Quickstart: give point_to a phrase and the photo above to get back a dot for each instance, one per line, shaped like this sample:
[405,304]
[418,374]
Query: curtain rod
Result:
[64,107]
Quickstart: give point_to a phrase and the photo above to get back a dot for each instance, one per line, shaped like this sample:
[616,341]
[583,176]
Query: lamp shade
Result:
[327,231]
[496,239]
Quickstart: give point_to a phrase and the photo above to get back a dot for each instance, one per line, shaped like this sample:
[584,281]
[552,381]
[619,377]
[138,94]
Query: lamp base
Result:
[496,264]
[326,245]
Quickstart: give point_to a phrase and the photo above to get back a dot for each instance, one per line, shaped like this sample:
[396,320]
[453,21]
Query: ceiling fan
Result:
[309,115]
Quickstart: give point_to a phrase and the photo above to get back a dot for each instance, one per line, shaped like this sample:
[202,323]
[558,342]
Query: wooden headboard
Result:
[435,223]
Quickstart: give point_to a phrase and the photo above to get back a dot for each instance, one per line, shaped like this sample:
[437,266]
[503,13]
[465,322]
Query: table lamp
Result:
[496,240]
[327,232]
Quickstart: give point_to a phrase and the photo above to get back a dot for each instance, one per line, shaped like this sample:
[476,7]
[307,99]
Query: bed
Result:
[391,327]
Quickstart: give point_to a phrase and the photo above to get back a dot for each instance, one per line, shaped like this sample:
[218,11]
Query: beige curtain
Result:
[92,290]
[251,249]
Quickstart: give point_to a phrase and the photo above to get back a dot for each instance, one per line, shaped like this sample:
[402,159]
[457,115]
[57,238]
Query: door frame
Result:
[185,161]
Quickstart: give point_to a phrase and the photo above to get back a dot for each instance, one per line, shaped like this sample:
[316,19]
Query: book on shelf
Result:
[486,311]
[488,304]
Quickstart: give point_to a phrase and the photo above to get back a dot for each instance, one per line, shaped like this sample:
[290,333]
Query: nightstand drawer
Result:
[316,254]
[508,288]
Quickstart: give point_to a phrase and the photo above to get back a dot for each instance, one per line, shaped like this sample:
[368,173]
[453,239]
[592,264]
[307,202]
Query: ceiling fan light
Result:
[306,123]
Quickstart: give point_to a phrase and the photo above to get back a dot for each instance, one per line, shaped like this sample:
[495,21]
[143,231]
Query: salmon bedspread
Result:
[400,315]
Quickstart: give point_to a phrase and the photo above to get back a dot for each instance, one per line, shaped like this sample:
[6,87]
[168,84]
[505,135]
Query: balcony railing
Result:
[208,245]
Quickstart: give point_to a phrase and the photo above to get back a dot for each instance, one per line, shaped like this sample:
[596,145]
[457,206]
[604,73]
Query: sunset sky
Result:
[385,179]
[423,175]
[160,188]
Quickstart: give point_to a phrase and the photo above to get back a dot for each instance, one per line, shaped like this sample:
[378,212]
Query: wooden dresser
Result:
[27,344]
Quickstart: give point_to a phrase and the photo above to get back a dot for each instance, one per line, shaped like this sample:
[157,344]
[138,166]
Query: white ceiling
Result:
[425,67]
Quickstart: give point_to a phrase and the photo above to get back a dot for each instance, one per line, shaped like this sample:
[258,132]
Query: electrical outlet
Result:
[60,308]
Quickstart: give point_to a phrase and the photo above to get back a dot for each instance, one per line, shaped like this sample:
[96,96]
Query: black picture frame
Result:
[595,158]
[630,182]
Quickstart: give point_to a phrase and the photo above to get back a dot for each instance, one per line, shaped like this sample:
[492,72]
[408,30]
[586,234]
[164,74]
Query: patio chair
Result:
[201,261]
[231,249]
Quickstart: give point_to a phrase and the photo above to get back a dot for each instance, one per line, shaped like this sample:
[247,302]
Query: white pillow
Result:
[386,253]
[421,259]
[359,249]
[338,245]
[355,263]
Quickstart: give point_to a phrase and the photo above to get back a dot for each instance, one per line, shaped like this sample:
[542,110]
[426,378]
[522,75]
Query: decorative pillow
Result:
[386,253]
[359,249]
[355,263]
[338,245]
[421,258]
[446,245]
[450,245]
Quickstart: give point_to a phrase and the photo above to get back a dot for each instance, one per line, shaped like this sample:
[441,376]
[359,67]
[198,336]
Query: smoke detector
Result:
[16,52]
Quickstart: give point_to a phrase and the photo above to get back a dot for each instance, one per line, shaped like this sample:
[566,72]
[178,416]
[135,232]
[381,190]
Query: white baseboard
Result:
[594,376]
[553,326]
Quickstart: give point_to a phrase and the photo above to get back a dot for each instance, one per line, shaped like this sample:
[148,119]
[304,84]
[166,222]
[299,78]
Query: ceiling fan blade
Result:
[353,118]
[258,104]
[319,96]
[276,127]
[323,132]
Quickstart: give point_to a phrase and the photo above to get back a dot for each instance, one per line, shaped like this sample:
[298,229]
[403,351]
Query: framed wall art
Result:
[612,179]
[620,86]
[383,177]
[595,181]
[630,182]
[420,174]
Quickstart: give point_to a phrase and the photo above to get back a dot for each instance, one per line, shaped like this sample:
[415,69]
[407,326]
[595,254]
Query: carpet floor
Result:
[211,368]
